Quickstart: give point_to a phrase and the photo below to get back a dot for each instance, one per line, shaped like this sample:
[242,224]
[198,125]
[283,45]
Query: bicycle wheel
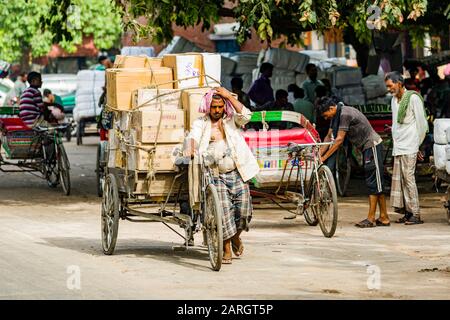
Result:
[343,171]
[80,132]
[99,170]
[447,206]
[213,214]
[50,168]
[310,218]
[325,202]
[64,169]
[110,215]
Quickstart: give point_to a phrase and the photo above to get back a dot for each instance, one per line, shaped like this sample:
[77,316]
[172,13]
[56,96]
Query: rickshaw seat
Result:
[277,138]
[13,124]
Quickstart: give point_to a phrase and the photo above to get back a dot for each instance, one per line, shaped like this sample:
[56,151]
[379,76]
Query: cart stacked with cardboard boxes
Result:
[153,102]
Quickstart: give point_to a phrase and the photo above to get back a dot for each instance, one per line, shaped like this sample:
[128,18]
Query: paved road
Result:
[50,248]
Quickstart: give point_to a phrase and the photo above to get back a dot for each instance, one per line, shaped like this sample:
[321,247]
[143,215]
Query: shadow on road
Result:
[138,248]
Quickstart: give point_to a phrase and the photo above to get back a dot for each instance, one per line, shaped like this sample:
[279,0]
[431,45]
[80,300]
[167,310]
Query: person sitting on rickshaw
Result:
[218,134]
[55,105]
[32,109]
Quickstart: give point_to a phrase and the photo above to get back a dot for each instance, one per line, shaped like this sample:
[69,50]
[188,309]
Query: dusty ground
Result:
[47,240]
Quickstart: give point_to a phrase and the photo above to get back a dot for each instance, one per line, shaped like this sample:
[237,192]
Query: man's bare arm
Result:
[334,147]
[224,93]
[323,149]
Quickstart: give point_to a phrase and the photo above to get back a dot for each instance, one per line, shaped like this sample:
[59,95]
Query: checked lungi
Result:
[404,192]
[234,195]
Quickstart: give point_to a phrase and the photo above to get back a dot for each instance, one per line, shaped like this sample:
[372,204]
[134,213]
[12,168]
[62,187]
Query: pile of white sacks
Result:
[90,85]
[441,148]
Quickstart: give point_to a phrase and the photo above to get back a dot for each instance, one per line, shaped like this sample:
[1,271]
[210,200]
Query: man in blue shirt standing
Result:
[261,92]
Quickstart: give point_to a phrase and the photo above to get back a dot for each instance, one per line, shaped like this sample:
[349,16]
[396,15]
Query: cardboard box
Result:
[159,186]
[166,99]
[116,158]
[190,100]
[164,158]
[196,64]
[122,82]
[170,122]
[141,61]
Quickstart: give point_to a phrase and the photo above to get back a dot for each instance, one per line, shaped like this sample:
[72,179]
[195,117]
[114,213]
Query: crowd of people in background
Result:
[261,97]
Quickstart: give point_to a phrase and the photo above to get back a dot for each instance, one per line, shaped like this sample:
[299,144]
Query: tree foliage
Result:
[274,18]
[33,26]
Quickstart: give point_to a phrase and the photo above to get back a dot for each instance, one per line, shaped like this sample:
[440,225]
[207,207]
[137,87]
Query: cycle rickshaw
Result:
[305,181]
[38,151]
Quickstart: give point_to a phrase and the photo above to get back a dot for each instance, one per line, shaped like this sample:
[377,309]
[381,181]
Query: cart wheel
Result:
[310,218]
[50,168]
[80,132]
[68,134]
[213,225]
[110,214]
[325,204]
[64,169]
[448,204]
[343,171]
[100,173]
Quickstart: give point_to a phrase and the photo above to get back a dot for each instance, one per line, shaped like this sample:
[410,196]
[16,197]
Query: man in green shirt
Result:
[303,106]
[310,84]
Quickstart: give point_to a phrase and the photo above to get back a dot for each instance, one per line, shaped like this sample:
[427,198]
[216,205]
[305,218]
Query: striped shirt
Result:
[31,105]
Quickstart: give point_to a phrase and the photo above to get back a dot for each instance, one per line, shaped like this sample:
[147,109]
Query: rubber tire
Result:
[324,170]
[310,218]
[111,197]
[342,182]
[68,134]
[64,170]
[50,183]
[80,129]
[215,212]
[99,174]
[448,202]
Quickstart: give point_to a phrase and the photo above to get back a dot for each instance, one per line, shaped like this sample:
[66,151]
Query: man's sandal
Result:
[381,224]
[238,250]
[227,260]
[413,220]
[404,218]
[365,224]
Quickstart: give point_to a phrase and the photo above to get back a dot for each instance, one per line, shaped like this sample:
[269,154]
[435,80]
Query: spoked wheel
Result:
[50,167]
[110,214]
[80,132]
[100,171]
[447,205]
[310,218]
[343,171]
[325,202]
[64,169]
[213,226]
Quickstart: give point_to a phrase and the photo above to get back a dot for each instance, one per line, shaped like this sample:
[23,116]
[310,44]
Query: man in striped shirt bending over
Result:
[31,104]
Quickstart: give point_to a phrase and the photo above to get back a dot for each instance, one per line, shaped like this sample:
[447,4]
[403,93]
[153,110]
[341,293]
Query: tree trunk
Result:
[362,49]
[26,60]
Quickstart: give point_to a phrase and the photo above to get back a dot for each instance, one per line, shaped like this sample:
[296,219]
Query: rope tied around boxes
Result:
[150,177]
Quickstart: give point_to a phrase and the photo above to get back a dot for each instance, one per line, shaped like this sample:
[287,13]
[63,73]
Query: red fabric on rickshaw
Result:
[378,124]
[13,124]
[277,138]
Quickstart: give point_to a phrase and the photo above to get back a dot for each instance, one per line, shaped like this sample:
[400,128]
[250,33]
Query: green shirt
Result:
[306,108]
[309,87]
[58,100]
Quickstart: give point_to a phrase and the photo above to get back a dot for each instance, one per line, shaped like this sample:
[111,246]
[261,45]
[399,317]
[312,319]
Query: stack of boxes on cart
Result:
[155,101]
